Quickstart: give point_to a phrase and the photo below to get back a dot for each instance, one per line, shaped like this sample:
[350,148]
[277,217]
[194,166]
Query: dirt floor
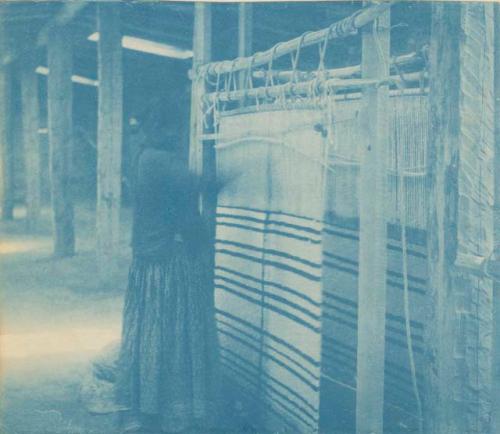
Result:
[55,318]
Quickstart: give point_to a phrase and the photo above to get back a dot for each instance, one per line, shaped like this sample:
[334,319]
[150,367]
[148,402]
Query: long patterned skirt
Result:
[167,362]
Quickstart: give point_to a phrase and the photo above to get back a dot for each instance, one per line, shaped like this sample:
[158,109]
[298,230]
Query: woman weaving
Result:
[165,378]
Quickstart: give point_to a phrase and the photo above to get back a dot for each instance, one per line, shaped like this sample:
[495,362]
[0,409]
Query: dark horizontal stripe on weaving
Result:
[274,252]
[270,231]
[342,300]
[350,314]
[414,235]
[390,282]
[333,341]
[388,328]
[390,316]
[239,369]
[270,295]
[274,359]
[269,335]
[269,283]
[240,359]
[270,263]
[403,344]
[270,347]
[355,264]
[331,355]
[283,213]
[349,324]
[271,307]
[409,251]
[270,221]
[238,373]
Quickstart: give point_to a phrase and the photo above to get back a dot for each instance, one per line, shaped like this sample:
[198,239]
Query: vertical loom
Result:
[244,142]
[322,272]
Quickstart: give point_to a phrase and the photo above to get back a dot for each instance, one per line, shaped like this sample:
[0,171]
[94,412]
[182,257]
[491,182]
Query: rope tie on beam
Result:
[295,63]
[322,53]
[295,59]
[404,82]
[206,113]
[217,101]
[248,79]
[230,79]
[269,76]
[345,27]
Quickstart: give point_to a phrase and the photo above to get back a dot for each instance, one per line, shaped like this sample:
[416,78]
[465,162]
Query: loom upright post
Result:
[201,153]
[202,36]
[109,137]
[60,108]
[244,35]
[373,231]
[496,235]
[440,414]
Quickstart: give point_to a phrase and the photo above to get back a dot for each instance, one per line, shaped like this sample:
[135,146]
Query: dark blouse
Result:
[165,207]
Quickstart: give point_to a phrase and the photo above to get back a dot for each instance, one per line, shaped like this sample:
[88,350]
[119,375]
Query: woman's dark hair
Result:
[162,130]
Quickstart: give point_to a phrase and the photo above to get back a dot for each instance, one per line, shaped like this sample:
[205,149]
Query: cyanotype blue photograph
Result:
[263,217]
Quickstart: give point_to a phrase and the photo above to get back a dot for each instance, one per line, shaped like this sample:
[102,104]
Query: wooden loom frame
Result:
[375,88]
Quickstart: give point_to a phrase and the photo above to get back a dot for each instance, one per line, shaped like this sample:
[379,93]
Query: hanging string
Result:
[283,97]
[326,155]
[233,75]
[227,80]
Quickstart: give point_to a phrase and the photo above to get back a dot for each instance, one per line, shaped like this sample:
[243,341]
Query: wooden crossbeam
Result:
[340,29]
[344,72]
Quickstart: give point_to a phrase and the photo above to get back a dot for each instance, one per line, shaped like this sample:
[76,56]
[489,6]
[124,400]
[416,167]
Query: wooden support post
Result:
[109,136]
[6,160]
[496,237]
[244,29]
[244,35]
[373,231]
[202,36]
[201,158]
[202,153]
[30,122]
[60,123]
[443,157]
